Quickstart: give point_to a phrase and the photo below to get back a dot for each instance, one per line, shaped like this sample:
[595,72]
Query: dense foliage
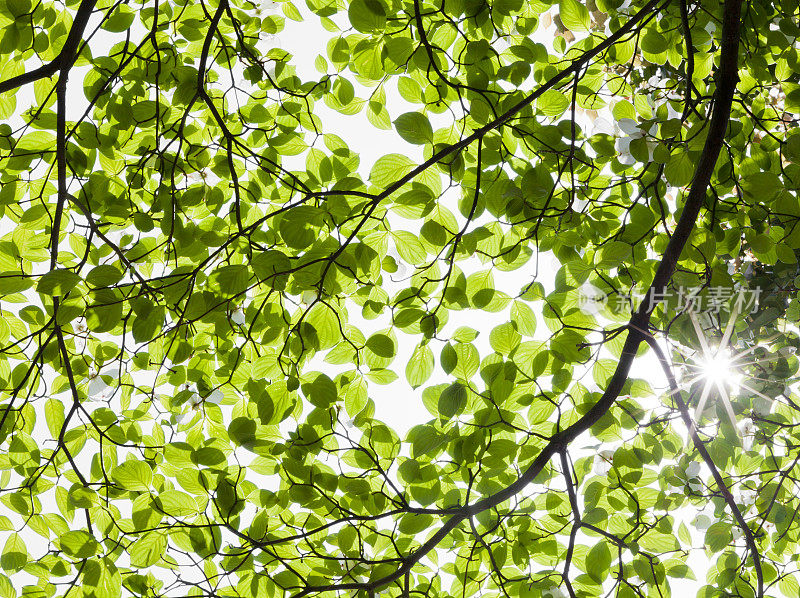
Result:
[205,296]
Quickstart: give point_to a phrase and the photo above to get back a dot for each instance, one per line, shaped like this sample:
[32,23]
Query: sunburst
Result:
[721,368]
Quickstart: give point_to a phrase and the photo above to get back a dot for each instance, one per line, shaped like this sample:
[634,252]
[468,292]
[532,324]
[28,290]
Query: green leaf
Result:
[760,243]
[133,475]
[718,536]
[355,397]
[177,504]
[298,230]
[381,344]
[598,562]
[104,276]
[414,128]
[58,282]
[367,16]
[679,170]
[120,20]
[424,440]
[15,555]
[78,544]
[368,59]
[420,366]
[409,247]
[242,430]
[17,8]
[231,280]
[104,312]
[552,102]
[453,400]
[523,318]
[791,148]
[653,42]
[54,415]
[465,334]
[603,370]
[36,141]
[467,361]
[531,358]
[504,338]
[290,10]
[788,585]
[325,323]
[13,283]
[148,549]
[613,253]
[574,15]
[389,168]
[382,376]
[321,392]
[82,497]
[271,267]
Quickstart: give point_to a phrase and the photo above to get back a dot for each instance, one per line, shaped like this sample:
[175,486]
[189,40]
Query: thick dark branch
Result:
[63,63]
[727,77]
[202,68]
[76,401]
[65,58]
[576,523]
[687,32]
[61,164]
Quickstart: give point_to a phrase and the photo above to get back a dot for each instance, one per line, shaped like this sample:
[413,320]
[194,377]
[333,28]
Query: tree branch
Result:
[87,213]
[65,56]
[61,164]
[574,67]
[709,461]
[727,77]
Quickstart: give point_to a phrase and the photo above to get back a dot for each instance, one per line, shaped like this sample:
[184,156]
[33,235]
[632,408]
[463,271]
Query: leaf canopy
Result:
[389,324]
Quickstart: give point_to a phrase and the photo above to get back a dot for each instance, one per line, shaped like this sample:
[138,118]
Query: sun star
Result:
[719,369]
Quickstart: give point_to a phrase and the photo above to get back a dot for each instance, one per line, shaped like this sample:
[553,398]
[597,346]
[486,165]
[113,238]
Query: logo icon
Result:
[591,300]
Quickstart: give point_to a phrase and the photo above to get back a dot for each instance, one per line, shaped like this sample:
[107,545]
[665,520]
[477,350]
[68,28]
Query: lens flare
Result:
[717,368]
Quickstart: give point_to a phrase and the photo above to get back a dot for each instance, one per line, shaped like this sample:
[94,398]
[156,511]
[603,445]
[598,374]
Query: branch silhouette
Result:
[727,77]
[65,57]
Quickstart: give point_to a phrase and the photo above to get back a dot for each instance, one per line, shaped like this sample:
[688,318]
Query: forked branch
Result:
[726,79]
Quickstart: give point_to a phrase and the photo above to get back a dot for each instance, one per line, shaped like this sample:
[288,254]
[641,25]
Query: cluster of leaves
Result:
[197,320]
